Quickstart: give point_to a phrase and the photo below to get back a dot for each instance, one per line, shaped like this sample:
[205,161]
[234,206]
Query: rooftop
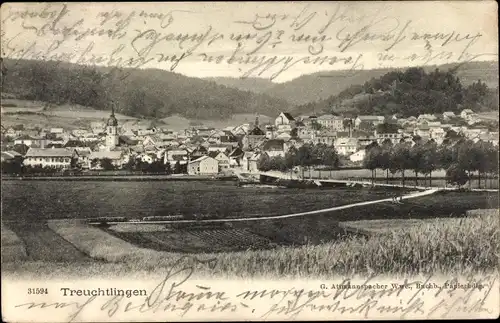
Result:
[49,152]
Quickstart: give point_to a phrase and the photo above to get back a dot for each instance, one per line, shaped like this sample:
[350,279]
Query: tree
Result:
[168,169]
[416,159]
[401,159]
[387,127]
[429,160]
[107,164]
[264,163]
[177,167]
[385,158]
[456,175]
[291,159]
[372,159]
[131,164]
[330,158]
[304,157]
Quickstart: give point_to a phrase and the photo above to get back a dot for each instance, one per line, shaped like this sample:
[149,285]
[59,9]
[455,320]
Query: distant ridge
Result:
[321,85]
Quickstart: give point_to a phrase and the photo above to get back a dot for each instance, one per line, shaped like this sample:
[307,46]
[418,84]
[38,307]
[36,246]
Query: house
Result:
[358,156]
[284,119]
[393,137]
[11,156]
[57,131]
[49,157]
[204,165]
[79,132]
[241,129]
[422,130]
[221,148]
[270,132]
[275,147]
[83,157]
[426,117]
[465,113]
[250,161]
[286,136]
[173,156]
[371,120]
[147,131]
[198,152]
[13,133]
[346,146]
[309,121]
[221,158]
[331,122]
[235,157]
[97,127]
[228,138]
[253,137]
[95,158]
[306,134]
[447,115]
[90,137]
[204,132]
[437,133]
[30,141]
[325,137]
[73,144]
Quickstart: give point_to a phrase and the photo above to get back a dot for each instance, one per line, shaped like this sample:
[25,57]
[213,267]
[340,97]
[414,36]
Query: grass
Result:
[12,247]
[466,245]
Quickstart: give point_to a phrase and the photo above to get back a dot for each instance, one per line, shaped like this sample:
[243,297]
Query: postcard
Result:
[235,161]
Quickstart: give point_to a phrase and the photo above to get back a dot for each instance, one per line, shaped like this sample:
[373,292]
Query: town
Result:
[134,146]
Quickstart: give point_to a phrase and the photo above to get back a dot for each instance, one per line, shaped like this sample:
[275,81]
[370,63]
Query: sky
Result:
[287,39]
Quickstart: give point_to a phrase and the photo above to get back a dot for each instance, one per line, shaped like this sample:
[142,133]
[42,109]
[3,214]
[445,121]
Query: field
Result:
[33,113]
[70,116]
[456,245]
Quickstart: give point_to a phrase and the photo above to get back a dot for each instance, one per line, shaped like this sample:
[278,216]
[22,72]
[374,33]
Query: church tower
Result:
[112,130]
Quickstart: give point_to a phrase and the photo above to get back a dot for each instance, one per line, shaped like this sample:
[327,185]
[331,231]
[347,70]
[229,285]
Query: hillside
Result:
[319,86]
[151,93]
[251,84]
[411,92]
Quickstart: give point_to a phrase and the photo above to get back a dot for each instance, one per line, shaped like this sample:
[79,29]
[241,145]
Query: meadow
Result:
[452,246]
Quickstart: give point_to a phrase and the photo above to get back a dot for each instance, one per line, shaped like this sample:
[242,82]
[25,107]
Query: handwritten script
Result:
[262,42]
[176,296]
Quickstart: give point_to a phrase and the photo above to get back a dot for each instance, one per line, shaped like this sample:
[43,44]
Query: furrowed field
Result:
[448,246]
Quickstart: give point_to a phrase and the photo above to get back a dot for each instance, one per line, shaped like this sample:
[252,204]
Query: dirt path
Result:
[405,197]
[43,244]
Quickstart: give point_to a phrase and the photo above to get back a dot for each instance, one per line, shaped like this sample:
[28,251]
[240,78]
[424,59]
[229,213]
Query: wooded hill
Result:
[149,93]
[409,93]
[319,86]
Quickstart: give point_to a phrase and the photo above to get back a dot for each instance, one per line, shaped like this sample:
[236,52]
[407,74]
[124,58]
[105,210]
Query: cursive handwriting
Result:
[266,44]
[176,294]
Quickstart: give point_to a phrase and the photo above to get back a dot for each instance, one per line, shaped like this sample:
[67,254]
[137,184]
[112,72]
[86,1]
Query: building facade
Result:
[204,165]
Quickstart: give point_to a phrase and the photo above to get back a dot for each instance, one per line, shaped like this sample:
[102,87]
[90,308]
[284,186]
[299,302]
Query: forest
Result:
[409,93]
[149,93]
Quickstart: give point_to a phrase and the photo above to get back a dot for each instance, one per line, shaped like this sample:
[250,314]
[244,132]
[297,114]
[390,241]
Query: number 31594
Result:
[37,291]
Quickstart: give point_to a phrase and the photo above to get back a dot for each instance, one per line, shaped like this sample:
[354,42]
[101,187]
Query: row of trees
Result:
[459,158]
[133,164]
[306,156]
[17,167]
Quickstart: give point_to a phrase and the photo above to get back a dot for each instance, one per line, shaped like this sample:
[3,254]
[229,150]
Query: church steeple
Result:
[112,129]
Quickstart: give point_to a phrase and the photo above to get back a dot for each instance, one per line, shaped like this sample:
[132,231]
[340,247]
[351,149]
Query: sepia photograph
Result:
[236,161]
